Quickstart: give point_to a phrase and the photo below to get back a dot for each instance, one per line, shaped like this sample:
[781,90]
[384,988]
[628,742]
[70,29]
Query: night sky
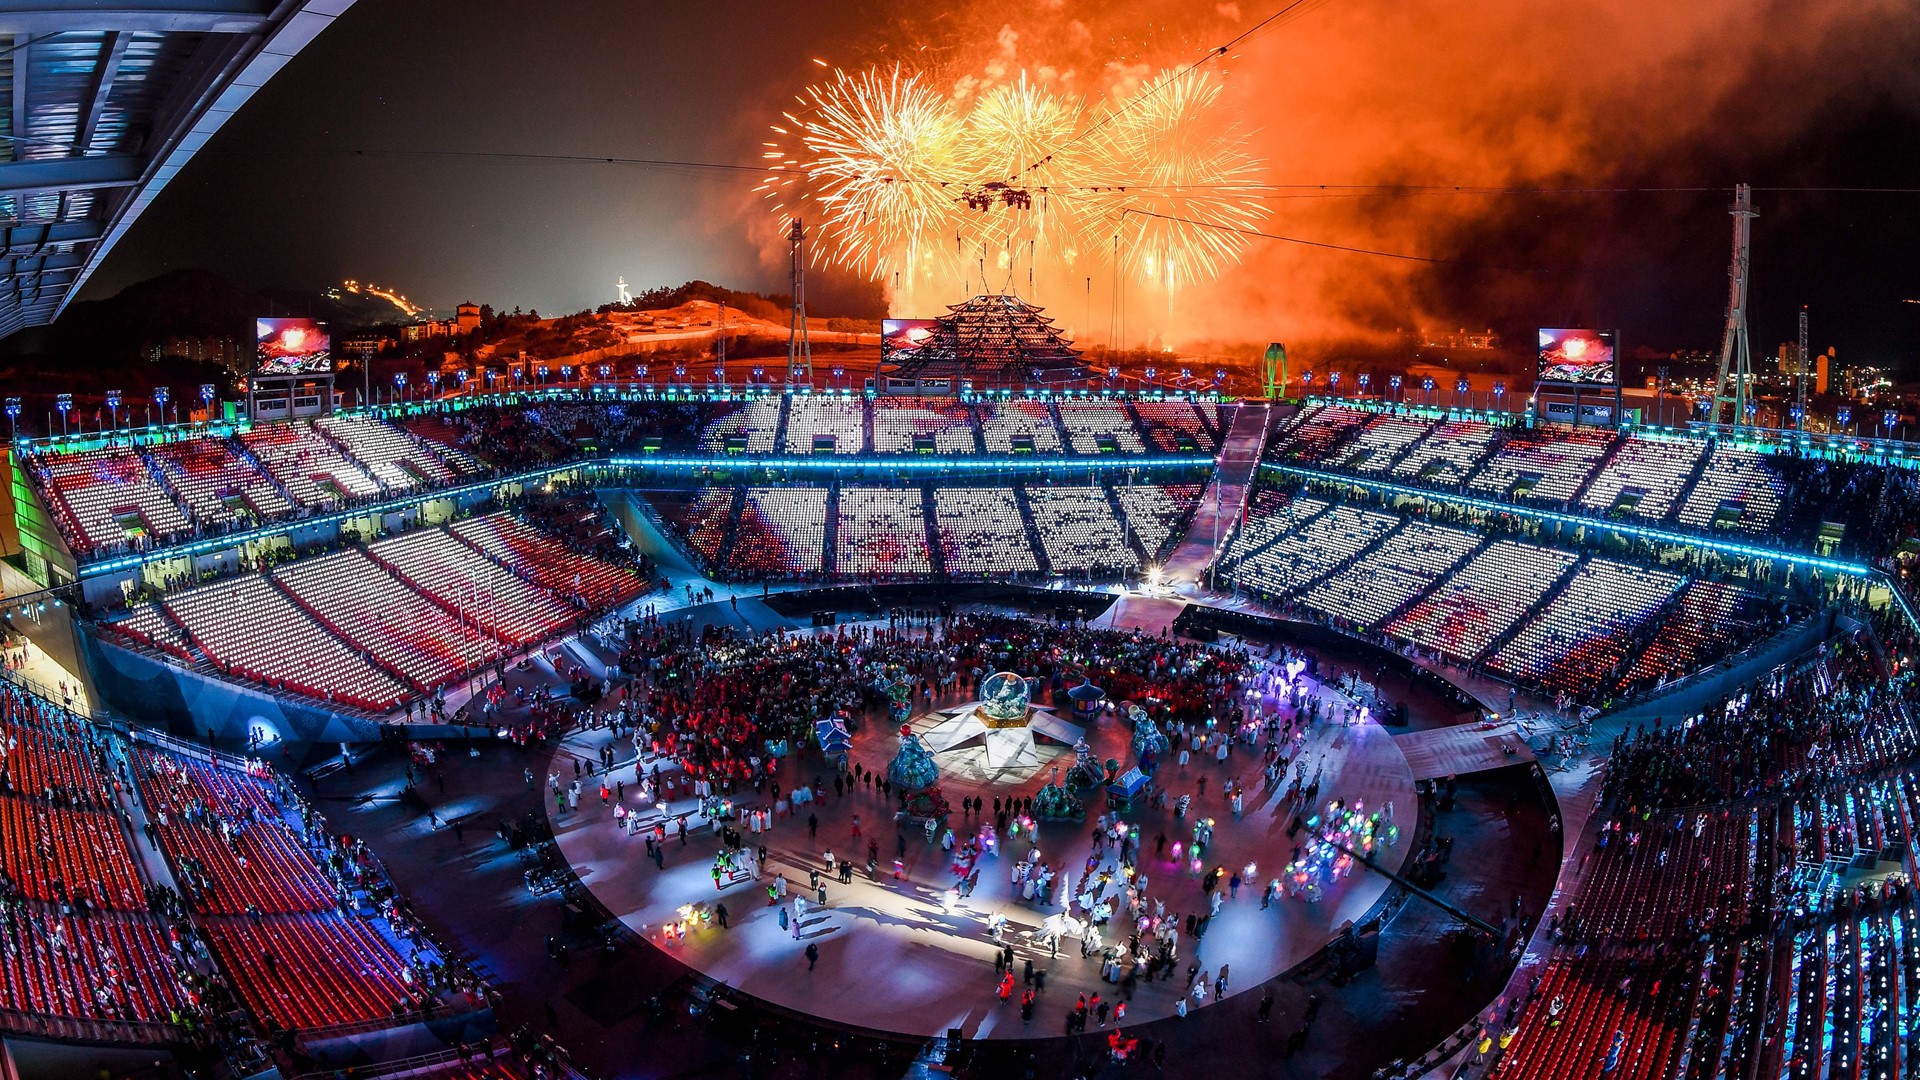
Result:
[1572,93]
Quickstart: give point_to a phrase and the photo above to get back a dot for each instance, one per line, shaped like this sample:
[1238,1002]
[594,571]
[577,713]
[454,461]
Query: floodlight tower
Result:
[1734,351]
[799,346]
[1800,366]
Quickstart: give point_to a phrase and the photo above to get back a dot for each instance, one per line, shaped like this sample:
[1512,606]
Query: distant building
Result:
[214,350]
[467,317]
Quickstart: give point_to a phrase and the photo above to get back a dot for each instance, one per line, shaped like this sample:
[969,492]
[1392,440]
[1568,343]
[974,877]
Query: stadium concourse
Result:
[1618,719]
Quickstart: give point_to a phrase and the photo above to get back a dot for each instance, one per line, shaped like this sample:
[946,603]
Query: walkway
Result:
[1224,497]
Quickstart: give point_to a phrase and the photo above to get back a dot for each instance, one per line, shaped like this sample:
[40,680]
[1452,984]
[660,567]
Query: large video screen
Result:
[900,337]
[291,347]
[1578,356]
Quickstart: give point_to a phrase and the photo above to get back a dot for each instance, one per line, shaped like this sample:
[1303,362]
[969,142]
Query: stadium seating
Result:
[1382,441]
[52,853]
[1737,492]
[311,970]
[882,532]
[107,499]
[814,420]
[230,848]
[105,966]
[896,421]
[354,597]
[50,755]
[1175,427]
[782,531]
[1156,512]
[980,532]
[316,474]
[1100,427]
[1405,565]
[1079,531]
[755,422]
[1300,557]
[1481,600]
[1447,455]
[1314,431]
[528,552]
[1707,620]
[1643,479]
[247,627]
[217,484]
[394,457]
[1579,640]
[1544,465]
[440,566]
[700,518]
[1019,426]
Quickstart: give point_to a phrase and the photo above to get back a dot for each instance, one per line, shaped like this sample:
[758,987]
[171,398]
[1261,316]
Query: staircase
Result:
[346,451]
[1533,611]
[830,544]
[936,554]
[1033,530]
[1472,472]
[866,425]
[1060,428]
[1606,462]
[1688,485]
[1223,502]
[1132,538]
[979,433]
[724,556]
[1140,426]
[240,451]
[780,425]
[166,484]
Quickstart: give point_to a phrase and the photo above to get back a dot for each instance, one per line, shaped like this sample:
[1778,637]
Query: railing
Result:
[64,1027]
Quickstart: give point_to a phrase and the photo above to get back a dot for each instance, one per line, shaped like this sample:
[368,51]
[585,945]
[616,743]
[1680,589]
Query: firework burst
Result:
[885,165]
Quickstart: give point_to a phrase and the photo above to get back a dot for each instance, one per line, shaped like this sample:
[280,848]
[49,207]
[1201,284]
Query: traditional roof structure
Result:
[992,339]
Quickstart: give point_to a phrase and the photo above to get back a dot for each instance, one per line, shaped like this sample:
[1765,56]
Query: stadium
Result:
[1003,712]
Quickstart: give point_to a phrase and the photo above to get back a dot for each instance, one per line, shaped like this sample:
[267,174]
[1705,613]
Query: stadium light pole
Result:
[206,400]
[113,407]
[433,383]
[13,416]
[400,383]
[1427,384]
[1499,395]
[1842,418]
[1364,380]
[64,403]
[1461,389]
[161,395]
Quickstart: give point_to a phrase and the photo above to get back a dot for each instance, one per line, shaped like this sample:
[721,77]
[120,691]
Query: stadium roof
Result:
[104,101]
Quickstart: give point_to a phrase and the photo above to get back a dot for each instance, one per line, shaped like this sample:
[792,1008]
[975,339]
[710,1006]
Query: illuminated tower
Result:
[799,348]
[1734,353]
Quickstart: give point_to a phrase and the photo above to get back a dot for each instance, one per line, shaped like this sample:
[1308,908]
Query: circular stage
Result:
[899,955]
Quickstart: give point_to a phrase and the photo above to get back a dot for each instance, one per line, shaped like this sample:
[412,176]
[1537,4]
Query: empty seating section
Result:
[837,419]
[881,531]
[1463,615]
[107,497]
[467,583]
[1401,568]
[980,532]
[1448,454]
[753,424]
[447,440]
[148,623]
[1708,619]
[311,970]
[307,465]
[1580,639]
[1079,531]
[896,421]
[394,457]
[1738,491]
[1316,430]
[1643,479]
[102,967]
[217,483]
[782,531]
[247,627]
[526,550]
[1300,556]
[52,853]
[1600,995]
[1384,439]
[1175,427]
[1100,427]
[700,518]
[228,845]
[355,598]
[1155,511]
[1544,464]
[1022,425]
